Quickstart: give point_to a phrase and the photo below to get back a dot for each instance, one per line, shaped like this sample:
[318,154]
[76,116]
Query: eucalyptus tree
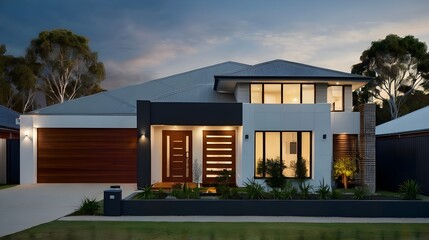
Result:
[398,66]
[68,67]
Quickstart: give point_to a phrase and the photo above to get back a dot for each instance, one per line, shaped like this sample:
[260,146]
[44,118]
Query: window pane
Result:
[306,150]
[289,152]
[272,145]
[272,93]
[291,93]
[256,93]
[258,152]
[308,93]
[335,97]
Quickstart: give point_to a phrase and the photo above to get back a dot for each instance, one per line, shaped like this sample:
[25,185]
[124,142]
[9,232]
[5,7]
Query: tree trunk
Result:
[345,181]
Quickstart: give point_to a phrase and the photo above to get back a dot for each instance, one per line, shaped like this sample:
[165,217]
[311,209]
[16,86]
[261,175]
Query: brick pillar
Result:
[367,146]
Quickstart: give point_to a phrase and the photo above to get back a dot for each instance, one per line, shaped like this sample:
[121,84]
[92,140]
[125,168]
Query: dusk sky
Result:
[144,40]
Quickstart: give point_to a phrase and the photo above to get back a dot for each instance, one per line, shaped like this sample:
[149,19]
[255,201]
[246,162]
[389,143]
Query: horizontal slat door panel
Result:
[70,155]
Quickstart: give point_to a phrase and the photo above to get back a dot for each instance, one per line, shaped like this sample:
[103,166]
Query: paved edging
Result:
[244,219]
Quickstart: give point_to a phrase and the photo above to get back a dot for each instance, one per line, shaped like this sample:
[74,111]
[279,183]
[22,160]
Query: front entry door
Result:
[176,156]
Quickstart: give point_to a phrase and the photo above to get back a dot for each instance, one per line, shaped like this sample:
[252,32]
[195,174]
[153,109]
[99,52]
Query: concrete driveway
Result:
[25,206]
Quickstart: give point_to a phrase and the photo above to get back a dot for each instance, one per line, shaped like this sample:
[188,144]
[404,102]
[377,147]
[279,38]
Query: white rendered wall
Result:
[289,117]
[345,122]
[28,135]
[242,92]
[197,147]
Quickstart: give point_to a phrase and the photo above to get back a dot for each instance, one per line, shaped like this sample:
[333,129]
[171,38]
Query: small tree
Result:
[274,172]
[345,167]
[301,169]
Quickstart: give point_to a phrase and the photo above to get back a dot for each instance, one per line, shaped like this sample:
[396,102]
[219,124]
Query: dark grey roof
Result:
[8,117]
[192,86]
[281,70]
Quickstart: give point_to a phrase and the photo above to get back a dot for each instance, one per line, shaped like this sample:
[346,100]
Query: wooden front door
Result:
[176,156]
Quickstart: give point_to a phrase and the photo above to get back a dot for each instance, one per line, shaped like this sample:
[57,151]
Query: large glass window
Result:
[287,147]
[256,93]
[291,93]
[282,93]
[308,93]
[336,98]
[273,93]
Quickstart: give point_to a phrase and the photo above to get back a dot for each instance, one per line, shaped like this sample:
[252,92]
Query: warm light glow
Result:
[295,100]
[337,83]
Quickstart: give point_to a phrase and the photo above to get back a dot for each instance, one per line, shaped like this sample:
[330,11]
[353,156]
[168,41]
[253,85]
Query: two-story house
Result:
[191,126]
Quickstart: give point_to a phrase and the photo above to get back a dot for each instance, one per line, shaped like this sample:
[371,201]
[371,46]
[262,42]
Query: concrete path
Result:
[25,206]
[245,219]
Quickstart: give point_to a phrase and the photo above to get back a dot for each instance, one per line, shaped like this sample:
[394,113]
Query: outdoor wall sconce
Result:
[246,136]
[324,136]
[142,134]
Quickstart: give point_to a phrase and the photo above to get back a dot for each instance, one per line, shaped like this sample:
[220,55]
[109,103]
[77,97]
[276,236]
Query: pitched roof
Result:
[7,118]
[191,86]
[281,70]
[413,122]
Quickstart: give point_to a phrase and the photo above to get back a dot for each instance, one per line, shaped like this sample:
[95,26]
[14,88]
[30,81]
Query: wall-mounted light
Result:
[324,136]
[142,134]
[246,136]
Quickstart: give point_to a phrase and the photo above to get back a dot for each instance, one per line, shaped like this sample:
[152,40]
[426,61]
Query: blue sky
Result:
[144,40]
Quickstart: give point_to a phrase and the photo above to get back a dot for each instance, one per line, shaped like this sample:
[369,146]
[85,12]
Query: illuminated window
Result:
[287,147]
[273,93]
[282,93]
[291,93]
[336,98]
[256,93]
[308,93]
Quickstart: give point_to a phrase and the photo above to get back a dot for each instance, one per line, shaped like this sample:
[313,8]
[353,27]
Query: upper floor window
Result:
[336,98]
[282,93]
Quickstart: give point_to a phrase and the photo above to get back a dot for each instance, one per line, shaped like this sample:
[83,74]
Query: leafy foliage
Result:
[360,193]
[68,68]
[186,193]
[345,167]
[335,194]
[301,169]
[274,172]
[305,189]
[254,190]
[409,189]
[323,190]
[398,67]
[88,206]
[223,184]
[147,193]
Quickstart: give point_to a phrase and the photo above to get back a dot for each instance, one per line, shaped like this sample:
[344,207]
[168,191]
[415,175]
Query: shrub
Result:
[88,206]
[409,189]
[289,191]
[360,193]
[335,194]
[301,169]
[186,193]
[274,172]
[223,184]
[254,190]
[323,190]
[304,189]
[147,193]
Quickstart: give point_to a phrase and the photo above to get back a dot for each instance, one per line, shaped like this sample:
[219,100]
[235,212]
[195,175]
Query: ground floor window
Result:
[287,147]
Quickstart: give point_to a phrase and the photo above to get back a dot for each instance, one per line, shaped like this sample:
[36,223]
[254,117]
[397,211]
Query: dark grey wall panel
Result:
[321,208]
[400,158]
[199,114]
[143,144]
[12,161]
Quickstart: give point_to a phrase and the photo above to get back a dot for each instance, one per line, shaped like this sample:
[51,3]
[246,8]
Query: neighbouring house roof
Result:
[413,122]
[192,86]
[281,70]
[8,118]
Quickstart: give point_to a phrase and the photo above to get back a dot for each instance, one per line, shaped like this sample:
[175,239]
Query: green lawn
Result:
[162,230]
[4,186]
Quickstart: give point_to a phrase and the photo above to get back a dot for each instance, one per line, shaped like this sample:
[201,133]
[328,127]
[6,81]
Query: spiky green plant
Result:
[88,206]
[323,190]
[305,189]
[360,193]
[254,190]
[409,189]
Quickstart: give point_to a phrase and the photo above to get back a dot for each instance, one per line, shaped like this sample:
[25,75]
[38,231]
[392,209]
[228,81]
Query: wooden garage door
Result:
[70,155]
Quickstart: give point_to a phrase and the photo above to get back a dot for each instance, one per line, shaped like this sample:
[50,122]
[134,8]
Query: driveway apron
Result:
[26,206]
